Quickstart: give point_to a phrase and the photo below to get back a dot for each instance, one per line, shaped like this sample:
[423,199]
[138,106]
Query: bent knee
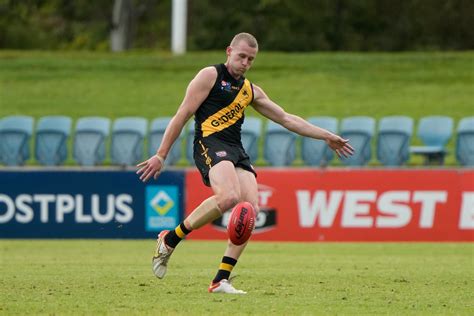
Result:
[228,200]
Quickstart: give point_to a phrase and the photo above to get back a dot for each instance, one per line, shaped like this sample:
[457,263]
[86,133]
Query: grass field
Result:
[152,84]
[114,277]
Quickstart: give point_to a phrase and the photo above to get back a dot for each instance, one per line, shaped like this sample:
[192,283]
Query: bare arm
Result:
[265,106]
[197,91]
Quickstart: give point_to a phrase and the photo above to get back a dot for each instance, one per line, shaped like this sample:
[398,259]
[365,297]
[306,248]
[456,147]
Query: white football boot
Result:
[224,286]
[161,256]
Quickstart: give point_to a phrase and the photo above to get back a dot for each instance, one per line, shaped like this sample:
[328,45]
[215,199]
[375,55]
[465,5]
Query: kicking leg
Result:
[225,184]
[249,193]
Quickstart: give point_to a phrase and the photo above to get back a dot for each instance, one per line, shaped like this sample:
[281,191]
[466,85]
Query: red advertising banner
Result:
[353,205]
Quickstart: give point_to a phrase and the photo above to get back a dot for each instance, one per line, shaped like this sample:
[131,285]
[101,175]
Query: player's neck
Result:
[229,70]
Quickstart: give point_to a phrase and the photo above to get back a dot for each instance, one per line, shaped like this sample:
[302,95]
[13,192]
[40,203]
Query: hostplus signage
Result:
[85,204]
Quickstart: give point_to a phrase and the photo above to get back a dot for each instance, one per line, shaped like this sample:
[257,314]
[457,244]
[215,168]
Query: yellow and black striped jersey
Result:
[221,114]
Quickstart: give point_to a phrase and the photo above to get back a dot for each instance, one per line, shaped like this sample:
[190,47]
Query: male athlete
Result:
[217,97]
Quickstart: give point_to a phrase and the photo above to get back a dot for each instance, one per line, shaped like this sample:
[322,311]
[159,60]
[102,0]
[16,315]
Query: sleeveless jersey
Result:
[221,114]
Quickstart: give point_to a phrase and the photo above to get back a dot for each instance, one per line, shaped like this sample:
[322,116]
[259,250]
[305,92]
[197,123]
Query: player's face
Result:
[240,58]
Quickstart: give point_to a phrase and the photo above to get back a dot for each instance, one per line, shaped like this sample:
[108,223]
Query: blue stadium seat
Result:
[52,133]
[89,140]
[190,141]
[434,132]
[279,146]
[128,134]
[359,130]
[393,140]
[316,152]
[251,132]
[15,134]
[465,141]
[155,136]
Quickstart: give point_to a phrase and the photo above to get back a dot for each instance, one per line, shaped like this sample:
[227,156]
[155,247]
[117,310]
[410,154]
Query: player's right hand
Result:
[150,168]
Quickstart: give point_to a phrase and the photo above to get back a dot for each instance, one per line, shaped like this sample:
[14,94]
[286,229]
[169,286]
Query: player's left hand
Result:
[340,145]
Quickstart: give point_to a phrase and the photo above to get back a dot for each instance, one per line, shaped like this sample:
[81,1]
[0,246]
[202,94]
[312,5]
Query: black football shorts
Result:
[209,151]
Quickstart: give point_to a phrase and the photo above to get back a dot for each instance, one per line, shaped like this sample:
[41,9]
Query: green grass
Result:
[152,84]
[114,277]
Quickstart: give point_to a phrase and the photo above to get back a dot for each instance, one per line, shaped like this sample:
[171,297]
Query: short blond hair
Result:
[247,37]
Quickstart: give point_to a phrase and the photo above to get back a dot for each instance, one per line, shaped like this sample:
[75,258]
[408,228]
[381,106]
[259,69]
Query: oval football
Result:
[241,223]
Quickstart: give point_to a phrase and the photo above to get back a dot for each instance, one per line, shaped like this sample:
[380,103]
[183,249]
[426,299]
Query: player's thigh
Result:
[248,187]
[224,179]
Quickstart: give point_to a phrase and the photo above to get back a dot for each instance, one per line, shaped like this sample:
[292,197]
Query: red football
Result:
[241,223]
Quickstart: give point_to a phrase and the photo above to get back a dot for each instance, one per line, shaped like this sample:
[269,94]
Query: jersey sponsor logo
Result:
[230,114]
[226,86]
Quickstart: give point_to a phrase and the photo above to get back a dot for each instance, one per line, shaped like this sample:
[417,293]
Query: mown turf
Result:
[152,84]
[99,277]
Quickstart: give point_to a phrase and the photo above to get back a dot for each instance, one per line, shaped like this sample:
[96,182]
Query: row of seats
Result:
[394,135]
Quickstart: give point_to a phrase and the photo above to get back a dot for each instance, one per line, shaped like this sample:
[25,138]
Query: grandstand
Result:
[392,139]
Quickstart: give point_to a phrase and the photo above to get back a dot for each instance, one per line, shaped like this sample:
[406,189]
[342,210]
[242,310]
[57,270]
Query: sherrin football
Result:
[241,223]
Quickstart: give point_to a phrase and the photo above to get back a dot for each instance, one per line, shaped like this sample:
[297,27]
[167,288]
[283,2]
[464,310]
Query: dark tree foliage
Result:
[52,24]
[360,25]
[336,24]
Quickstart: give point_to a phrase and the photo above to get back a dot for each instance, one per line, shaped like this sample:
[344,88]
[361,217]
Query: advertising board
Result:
[354,205]
[88,204]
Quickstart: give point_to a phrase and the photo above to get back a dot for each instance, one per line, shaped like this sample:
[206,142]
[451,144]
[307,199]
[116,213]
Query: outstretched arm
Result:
[264,105]
[197,91]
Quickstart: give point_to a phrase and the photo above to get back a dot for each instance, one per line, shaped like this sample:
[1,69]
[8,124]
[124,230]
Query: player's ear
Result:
[228,50]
